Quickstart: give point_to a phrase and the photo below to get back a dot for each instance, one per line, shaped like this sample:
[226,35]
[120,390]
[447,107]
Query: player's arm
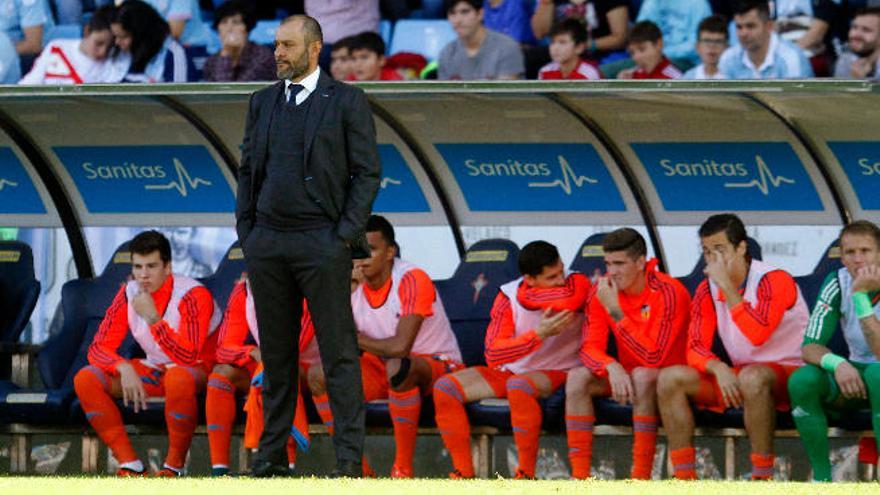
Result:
[184,344]
[701,330]
[417,296]
[103,350]
[234,330]
[777,293]
[867,281]
[652,340]
[594,341]
[502,344]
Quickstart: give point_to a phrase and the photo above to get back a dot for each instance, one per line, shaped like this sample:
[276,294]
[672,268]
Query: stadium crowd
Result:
[745,339]
[192,40]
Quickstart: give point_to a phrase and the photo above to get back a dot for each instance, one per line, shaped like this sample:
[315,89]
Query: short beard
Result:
[295,68]
[866,51]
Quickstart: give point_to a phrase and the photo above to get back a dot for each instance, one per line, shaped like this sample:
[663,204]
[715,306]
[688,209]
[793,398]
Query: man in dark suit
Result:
[309,173]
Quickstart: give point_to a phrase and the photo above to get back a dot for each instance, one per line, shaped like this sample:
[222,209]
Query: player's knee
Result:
[577,382]
[671,380]
[88,380]
[180,380]
[447,387]
[224,370]
[756,380]
[521,384]
[645,380]
[315,380]
[872,378]
[805,382]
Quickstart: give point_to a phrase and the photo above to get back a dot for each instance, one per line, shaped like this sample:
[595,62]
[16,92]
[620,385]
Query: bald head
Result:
[309,27]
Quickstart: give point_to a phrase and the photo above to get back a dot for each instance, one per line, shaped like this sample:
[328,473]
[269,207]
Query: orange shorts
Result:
[153,378]
[375,375]
[709,395]
[497,379]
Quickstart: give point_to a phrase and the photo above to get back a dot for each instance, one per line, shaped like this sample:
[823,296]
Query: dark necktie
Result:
[293,90]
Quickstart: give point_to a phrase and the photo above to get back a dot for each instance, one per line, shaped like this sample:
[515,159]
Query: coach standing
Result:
[309,173]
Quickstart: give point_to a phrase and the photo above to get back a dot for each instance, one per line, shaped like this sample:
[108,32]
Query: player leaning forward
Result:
[830,384]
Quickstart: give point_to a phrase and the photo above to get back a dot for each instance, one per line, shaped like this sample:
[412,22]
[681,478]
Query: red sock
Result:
[580,444]
[322,404]
[301,423]
[181,411]
[93,389]
[291,450]
[762,466]
[405,408]
[220,414]
[644,444]
[452,421]
[684,463]
[525,417]
[868,450]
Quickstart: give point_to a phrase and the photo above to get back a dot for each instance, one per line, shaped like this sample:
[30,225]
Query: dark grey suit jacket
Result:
[342,169]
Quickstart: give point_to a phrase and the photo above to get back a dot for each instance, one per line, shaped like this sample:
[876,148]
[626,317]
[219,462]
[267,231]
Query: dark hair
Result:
[343,43]
[728,223]
[535,256]
[378,223]
[148,32]
[861,227]
[369,41]
[451,4]
[101,19]
[233,8]
[742,7]
[713,24]
[625,239]
[867,11]
[571,27]
[150,241]
[645,31]
[311,28]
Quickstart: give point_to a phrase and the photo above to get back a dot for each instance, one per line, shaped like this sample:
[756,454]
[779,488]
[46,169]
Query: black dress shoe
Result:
[268,469]
[348,469]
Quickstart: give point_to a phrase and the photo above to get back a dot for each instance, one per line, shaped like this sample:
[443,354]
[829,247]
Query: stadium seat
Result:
[83,304]
[19,289]
[811,283]
[589,258]
[425,37]
[692,280]
[230,269]
[385,28]
[264,32]
[64,31]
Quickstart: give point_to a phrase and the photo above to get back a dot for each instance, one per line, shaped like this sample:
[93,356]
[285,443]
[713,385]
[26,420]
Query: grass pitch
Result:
[316,486]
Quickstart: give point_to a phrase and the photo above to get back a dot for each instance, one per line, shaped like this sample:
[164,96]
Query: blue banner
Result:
[17,192]
[861,163]
[532,177]
[746,176]
[399,191]
[147,179]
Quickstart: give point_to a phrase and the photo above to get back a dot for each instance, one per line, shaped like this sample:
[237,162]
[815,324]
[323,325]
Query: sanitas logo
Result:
[710,168]
[568,180]
[388,181]
[869,167]
[183,182]
[4,183]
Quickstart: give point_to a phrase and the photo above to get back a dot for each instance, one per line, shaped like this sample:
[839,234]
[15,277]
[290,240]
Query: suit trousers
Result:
[283,268]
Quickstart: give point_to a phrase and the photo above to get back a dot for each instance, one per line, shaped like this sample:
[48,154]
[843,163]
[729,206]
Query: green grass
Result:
[315,486]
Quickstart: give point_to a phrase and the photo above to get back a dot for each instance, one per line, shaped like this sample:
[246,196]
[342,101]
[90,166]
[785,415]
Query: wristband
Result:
[863,305]
[592,46]
[830,362]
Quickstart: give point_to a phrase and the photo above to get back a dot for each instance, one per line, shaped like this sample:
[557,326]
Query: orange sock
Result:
[762,466]
[322,404]
[580,444]
[220,414]
[291,451]
[684,463]
[644,445]
[93,389]
[181,412]
[301,425]
[525,417]
[452,421]
[405,408]
[868,450]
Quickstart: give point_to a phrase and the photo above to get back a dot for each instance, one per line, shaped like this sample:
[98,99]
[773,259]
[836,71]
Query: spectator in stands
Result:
[478,53]
[84,60]
[511,17]
[829,382]
[155,55]
[646,311]
[239,363]
[26,22]
[758,315]
[341,64]
[606,22]
[712,40]
[532,342]
[10,69]
[568,41]
[238,59]
[678,21]
[761,53]
[341,19]
[171,317]
[184,19]
[404,334]
[646,49]
[859,60]
[368,59]
[407,65]
[807,23]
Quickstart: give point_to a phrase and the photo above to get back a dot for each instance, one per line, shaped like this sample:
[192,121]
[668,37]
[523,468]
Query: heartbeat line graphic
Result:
[183,183]
[7,183]
[568,176]
[765,179]
[388,181]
